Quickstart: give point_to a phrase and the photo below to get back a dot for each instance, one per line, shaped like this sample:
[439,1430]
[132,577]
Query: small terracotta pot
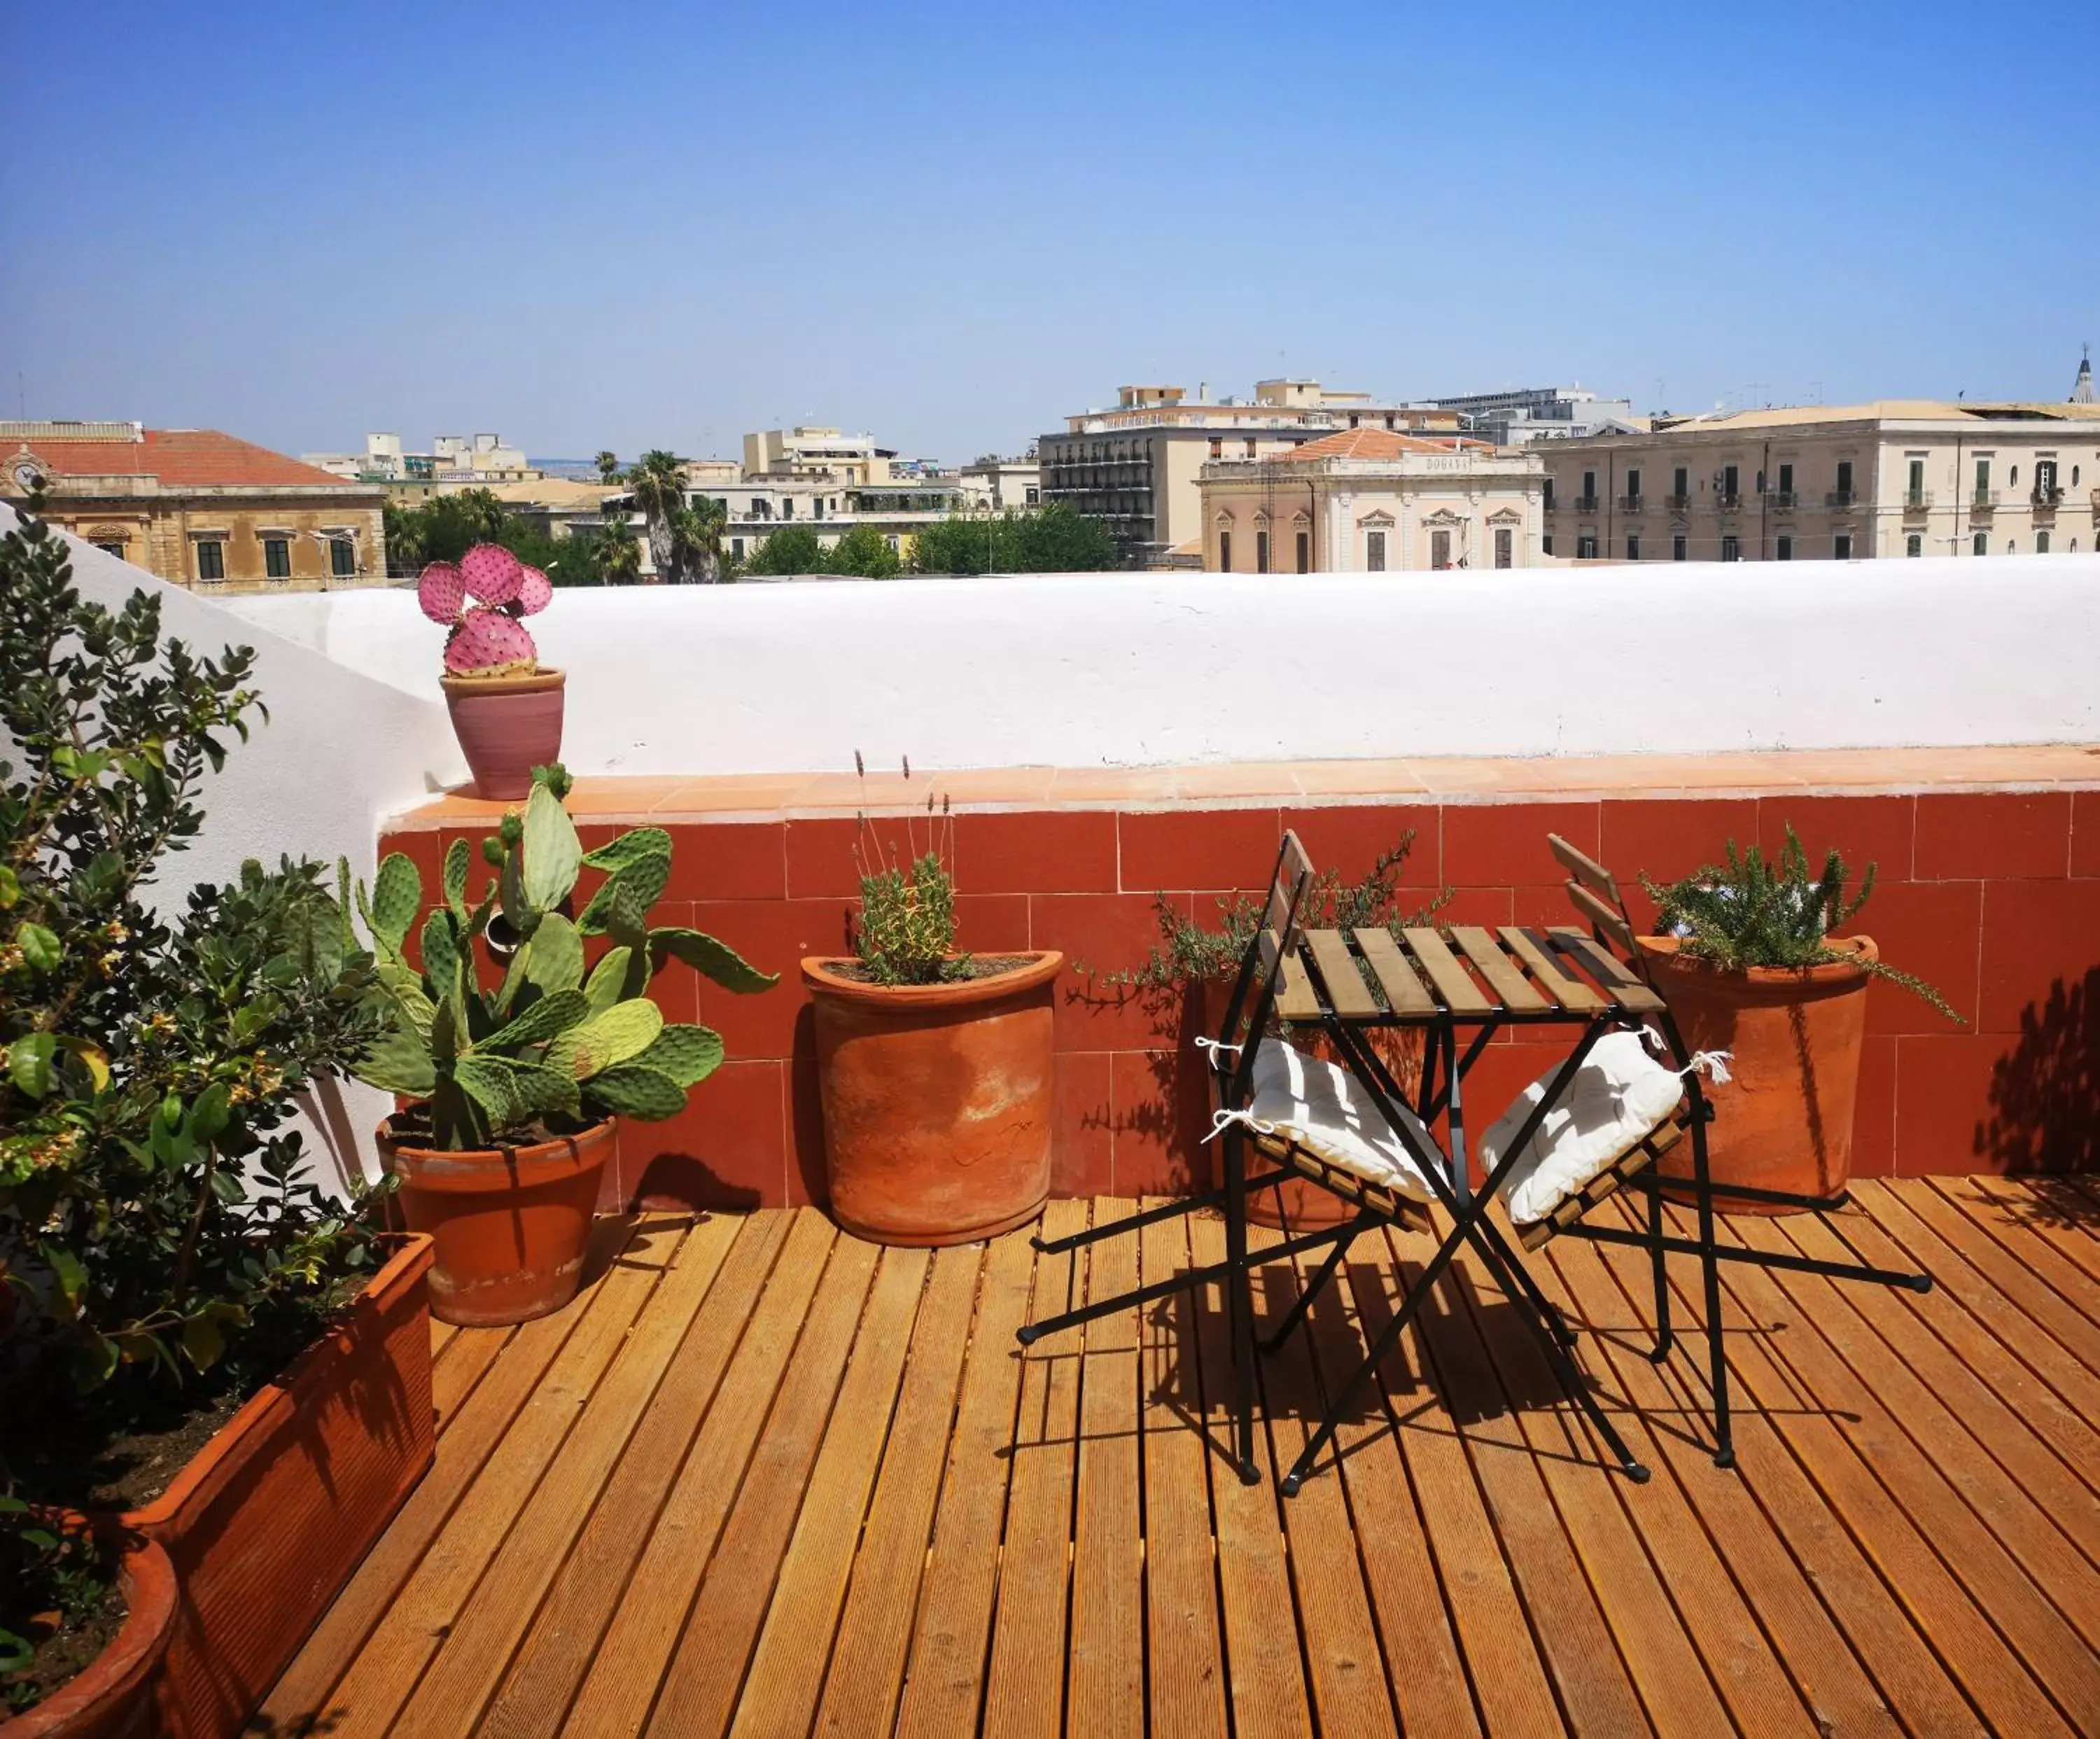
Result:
[1784,1120]
[510,1224]
[270,1518]
[1299,1206]
[506,726]
[937,1102]
[113,1698]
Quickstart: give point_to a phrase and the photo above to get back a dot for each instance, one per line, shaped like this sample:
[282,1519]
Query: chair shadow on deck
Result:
[2043,1096]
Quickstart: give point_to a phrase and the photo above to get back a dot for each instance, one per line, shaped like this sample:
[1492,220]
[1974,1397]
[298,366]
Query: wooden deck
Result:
[766,1479]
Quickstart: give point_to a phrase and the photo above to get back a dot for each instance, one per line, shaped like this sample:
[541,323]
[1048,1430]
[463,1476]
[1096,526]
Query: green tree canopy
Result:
[865,551]
[607,462]
[792,549]
[1050,540]
[446,526]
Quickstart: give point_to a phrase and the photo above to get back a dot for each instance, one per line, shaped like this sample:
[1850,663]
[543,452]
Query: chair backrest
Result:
[1593,892]
[1254,988]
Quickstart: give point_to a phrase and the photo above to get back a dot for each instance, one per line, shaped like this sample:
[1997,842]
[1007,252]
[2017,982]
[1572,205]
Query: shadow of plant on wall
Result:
[2044,1095]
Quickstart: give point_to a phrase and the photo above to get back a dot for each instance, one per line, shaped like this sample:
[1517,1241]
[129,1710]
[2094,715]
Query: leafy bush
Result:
[864,551]
[1052,540]
[50,1577]
[1746,912]
[792,549]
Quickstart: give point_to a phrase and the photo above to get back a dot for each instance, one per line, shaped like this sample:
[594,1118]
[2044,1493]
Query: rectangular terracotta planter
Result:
[267,1523]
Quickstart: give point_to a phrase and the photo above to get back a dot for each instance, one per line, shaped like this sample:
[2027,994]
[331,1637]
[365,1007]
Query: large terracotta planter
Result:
[266,1524]
[1784,1121]
[1299,1206]
[113,1699]
[510,1224]
[506,726]
[936,1102]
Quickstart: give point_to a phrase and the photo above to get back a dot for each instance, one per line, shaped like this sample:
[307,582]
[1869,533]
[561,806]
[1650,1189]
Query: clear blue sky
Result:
[663,225]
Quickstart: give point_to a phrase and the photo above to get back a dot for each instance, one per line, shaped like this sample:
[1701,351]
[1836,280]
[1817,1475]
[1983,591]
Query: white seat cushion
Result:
[1620,1094]
[1321,1109]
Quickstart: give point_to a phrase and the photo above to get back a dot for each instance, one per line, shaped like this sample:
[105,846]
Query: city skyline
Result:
[672,234]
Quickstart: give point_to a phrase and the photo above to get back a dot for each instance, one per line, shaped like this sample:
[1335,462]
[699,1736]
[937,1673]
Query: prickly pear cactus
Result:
[493,573]
[442,592]
[535,591]
[487,639]
[490,643]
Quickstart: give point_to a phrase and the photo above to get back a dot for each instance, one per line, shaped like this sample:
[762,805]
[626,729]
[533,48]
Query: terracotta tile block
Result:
[1041,851]
[757,794]
[1992,834]
[1548,906]
[1213,848]
[1874,1115]
[991,923]
[820,850]
[1350,838]
[1934,931]
[808,1183]
[1865,830]
[726,1149]
[1374,778]
[1081,1130]
[1107,932]
[2086,833]
[2039,1115]
[1666,839]
[1943,1103]
[1005,787]
[627,797]
[728,860]
[1465,906]
[1109,788]
[1503,845]
[1154,1153]
[426,850]
[1247,779]
[773,935]
[2040,938]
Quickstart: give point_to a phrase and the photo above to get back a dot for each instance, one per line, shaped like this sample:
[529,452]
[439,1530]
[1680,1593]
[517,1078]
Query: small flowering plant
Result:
[483,599]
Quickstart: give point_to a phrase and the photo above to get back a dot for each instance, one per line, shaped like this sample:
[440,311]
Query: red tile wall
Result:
[1994,897]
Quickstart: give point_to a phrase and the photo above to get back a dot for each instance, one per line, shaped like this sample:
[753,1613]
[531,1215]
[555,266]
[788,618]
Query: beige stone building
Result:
[1372,501]
[200,508]
[817,451]
[1895,478]
[1138,467]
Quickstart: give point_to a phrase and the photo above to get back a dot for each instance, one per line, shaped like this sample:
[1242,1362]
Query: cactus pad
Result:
[492,572]
[441,592]
[535,591]
[488,642]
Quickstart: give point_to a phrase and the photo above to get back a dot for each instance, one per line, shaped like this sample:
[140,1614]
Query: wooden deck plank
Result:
[1185,1693]
[1347,995]
[1105,1691]
[1509,1680]
[1266,1680]
[2064,1255]
[778,1695]
[867,1672]
[944,1682]
[394,1657]
[543,1676]
[628,1664]
[476,1650]
[1455,989]
[452,1382]
[1605,1518]
[1025,1690]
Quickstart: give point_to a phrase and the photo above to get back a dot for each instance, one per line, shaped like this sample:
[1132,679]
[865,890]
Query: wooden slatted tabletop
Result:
[1376,977]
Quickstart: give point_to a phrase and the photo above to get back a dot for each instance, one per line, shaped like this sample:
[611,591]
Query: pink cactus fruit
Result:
[492,573]
[535,591]
[488,642]
[441,592]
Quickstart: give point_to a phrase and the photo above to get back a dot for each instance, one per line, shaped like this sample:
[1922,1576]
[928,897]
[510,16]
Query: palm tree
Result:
[658,485]
[614,554]
[699,532]
[608,466]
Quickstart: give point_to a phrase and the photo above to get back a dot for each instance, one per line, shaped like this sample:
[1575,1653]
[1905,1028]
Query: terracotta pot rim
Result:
[592,1135]
[1664,951]
[147,1576]
[407,1265]
[1043,965]
[538,680]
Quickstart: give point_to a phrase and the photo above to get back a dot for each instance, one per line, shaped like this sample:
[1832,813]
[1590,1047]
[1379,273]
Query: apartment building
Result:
[1895,478]
[454,460]
[1138,467]
[1519,415]
[992,484]
[198,508]
[817,451]
[1374,501]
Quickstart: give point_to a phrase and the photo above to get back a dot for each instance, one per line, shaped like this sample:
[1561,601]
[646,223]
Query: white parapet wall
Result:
[1151,669]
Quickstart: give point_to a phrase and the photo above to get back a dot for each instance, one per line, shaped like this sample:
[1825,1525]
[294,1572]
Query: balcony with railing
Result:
[1586,504]
[1841,501]
[1677,504]
[2045,498]
[1782,501]
[762,1476]
[1727,501]
[1632,504]
[1917,501]
[1983,501]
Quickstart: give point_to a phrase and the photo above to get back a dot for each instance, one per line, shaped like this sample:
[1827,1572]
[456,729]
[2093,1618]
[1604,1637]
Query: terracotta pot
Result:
[1297,1205]
[113,1698]
[506,726]
[266,1524]
[510,1224]
[1784,1121]
[936,1100]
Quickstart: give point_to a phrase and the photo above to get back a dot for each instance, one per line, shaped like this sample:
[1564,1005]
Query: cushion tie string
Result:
[1221,1121]
[1712,1064]
[1213,1044]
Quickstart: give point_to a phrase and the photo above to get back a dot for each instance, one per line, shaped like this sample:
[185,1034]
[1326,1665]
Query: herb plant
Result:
[906,932]
[1746,912]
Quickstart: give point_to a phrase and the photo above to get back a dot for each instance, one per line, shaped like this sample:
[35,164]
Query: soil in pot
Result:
[512,1226]
[100,1637]
[937,1099]
[1784,1120]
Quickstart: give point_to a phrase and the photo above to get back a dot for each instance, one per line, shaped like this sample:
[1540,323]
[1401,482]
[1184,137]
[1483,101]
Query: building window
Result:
[277,559]
[1305,552]
[1913,545]
[1217,447]
[1546,543]
[1786,479]
[1589,486]
[1732,547]
[1374,551]
[1439,548]
[1841,547]
[1845,477]
[1032,494]
[1586,547]
[111,546]
[788,507]
[1677,547]
[1784,551]
[1982,479]
[1505,547]
[211,559]
[1915,487]
[1730,481]
[1980,544]
[2041,543]
[342,557]
[1260,549]
[2013,477]
[736,549]
[1250,453]
[1633,546]
[1549,495]
[1680,482]
[1633,486]
[1224,552]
